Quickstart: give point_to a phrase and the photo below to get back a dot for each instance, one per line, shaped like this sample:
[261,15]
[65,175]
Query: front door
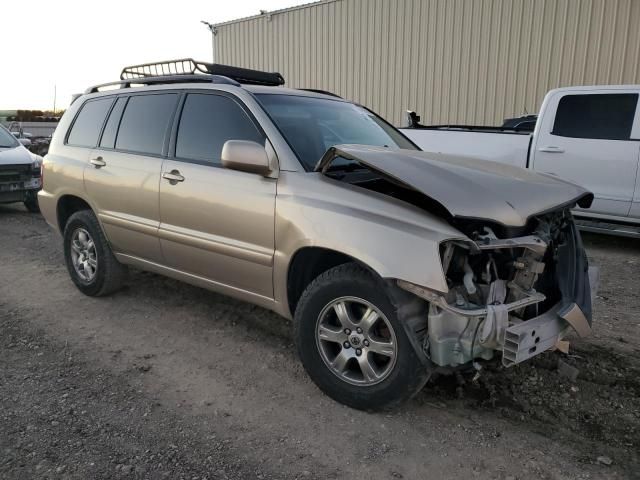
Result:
[217,223]
[588,141]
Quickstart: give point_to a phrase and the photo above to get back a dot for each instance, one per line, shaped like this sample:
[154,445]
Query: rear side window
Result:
[144,123]
[111,128]
[207,122]
[86,128]
[607,116]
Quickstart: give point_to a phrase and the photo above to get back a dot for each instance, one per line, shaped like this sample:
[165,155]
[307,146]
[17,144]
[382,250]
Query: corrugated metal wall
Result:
[453,61]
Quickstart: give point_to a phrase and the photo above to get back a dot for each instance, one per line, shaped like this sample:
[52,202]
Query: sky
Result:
[68,45]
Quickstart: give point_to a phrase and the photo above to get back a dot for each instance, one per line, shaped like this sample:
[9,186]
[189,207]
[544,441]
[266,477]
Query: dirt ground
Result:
[165,380]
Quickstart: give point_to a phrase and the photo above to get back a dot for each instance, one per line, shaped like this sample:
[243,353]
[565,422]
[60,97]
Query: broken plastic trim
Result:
[440,301]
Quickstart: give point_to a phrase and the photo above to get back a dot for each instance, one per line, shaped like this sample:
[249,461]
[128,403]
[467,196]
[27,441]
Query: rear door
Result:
[589,142]
[123,175]
[217,223]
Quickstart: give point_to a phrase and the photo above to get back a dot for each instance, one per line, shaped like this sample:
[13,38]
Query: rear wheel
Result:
[90,261]
[352,342]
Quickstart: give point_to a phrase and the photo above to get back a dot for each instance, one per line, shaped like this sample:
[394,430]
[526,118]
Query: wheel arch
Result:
[307,263]
[68,205]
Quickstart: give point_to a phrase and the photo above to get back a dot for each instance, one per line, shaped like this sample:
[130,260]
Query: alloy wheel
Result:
[83,255]
[356,341]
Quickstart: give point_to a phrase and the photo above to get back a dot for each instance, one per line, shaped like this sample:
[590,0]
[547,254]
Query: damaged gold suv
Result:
[393,263]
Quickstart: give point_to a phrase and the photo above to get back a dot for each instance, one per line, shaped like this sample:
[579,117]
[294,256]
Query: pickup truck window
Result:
[312,125]
[602,116]
[86,127]
[207,122]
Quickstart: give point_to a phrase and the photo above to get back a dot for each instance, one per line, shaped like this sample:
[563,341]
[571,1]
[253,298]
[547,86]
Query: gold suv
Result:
[392,262]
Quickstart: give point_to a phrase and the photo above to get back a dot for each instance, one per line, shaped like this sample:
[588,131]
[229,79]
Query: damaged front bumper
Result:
[527,339]
[522,339]
[458,334]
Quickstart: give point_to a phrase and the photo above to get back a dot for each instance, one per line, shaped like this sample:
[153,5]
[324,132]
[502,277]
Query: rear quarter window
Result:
[87,125]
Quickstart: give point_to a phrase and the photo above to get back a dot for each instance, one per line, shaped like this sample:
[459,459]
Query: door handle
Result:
[173,176]
[551,149]
[98,162]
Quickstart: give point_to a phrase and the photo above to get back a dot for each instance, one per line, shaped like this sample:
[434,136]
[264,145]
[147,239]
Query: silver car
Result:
[19,172]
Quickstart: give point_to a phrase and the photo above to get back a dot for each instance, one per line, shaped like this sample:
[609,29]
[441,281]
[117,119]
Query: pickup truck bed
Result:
[486,143]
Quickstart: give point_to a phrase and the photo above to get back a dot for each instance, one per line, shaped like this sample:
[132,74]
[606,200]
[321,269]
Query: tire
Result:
[108,274]
[31,203]
[353,289]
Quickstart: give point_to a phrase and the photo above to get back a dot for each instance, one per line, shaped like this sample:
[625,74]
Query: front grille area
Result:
[15,173]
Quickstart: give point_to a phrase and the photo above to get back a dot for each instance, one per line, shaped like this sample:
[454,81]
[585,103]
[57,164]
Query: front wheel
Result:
[31,203]
[352,343]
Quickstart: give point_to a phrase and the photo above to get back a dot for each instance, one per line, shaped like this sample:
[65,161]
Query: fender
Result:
[393,238]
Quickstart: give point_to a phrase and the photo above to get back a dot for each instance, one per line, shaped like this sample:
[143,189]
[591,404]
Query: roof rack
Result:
[189,66]
[163,80]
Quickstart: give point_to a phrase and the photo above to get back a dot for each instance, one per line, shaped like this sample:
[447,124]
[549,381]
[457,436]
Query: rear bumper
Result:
[47,203]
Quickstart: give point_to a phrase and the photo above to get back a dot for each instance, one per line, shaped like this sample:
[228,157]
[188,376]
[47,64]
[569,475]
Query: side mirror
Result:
[24,141]
[245,156]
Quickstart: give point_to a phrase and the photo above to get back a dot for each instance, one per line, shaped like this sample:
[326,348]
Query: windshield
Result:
[312,125]
[6,139]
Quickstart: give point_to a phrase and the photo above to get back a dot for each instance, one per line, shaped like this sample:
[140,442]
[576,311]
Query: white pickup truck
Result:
[588,135]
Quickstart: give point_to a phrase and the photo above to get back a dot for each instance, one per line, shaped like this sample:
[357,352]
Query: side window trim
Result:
[173,137]
[168,134]
[104,126]
[75,118]
[635,129]
[178,116]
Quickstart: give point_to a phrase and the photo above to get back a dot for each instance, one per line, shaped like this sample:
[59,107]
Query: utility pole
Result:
[214,32]
[55,94]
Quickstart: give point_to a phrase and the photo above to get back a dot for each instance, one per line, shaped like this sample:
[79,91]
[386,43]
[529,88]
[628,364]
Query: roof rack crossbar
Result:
[189,66]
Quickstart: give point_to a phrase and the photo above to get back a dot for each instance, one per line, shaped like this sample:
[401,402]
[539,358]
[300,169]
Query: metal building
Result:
[453,61]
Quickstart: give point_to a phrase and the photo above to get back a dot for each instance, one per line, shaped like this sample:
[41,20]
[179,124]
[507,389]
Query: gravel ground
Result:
[165,380]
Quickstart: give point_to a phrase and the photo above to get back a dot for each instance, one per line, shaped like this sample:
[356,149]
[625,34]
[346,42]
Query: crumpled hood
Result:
[15,156]
[467,187]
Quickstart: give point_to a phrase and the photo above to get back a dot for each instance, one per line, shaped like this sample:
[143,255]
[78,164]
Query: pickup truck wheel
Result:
[90,261]
[352,343]
[31,203]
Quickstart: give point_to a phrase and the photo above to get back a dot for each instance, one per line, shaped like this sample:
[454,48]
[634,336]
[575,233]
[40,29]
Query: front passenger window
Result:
[207,122]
